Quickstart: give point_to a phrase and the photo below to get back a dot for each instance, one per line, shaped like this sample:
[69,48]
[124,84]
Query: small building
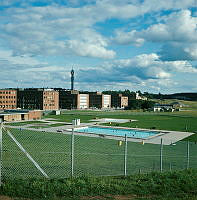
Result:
[56,112]
[177,104]
[20,115]
[138,97]
[8,99]
[163,108]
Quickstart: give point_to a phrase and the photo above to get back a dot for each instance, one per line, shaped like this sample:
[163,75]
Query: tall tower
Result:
[72,79]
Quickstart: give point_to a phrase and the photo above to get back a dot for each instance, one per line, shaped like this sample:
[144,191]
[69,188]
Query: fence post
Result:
[161,155]
[72,153]
[170,166]
[125,156]
[187,154]
[1,150]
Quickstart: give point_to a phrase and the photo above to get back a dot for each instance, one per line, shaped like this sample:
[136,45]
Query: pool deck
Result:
[168,137]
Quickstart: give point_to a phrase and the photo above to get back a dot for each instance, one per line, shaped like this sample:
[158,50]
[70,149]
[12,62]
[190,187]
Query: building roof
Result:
[11,113]
[20,111]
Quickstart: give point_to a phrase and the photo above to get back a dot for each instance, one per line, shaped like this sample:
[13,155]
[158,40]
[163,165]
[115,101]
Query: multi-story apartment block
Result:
[119,101]
[106,101]
[83,101]
[38,98]
[50,99]
[68,99]
[99,100]
[8,99]
[72,99]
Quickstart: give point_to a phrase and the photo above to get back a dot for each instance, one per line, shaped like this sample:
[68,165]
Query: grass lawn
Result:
[163,122]
[26,123]
[92,156]
[48,126]
[176,121]
[68,117]
[179,121]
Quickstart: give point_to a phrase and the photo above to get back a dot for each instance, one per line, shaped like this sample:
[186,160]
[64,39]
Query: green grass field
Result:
[99,156]
[92,156]
[176,121]
[38,126]
[26,123]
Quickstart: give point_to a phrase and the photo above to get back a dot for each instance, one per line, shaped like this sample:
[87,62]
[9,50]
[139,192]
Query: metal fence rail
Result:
[34,153]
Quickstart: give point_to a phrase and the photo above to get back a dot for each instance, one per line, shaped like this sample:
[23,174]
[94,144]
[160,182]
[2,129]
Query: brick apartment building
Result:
[119,101]
[8,99]
[38,98]
[51,99]
[99,100]
[72,99]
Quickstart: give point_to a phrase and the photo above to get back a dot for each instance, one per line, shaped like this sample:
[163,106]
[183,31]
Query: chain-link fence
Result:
[30,153]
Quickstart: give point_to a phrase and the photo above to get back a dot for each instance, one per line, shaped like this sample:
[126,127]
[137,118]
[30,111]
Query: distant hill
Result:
[180,96]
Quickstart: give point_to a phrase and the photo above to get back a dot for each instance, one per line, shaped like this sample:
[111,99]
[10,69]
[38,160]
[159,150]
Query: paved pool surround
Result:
[168,137]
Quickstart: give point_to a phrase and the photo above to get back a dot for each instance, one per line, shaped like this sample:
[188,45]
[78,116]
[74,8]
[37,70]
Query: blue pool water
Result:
[117,132]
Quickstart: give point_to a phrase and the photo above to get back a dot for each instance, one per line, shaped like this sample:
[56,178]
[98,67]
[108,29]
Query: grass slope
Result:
[169,185]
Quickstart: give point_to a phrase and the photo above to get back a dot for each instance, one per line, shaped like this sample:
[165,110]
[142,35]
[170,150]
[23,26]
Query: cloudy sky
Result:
[146,45]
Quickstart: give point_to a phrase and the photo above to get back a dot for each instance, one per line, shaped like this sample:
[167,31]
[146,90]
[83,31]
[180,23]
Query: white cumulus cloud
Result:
[178,34]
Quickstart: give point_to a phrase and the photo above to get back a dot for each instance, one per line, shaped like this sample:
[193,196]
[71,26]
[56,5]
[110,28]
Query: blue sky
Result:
[111,44]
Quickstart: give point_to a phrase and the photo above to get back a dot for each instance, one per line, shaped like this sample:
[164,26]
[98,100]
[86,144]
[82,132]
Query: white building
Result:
[83,101]
[138,97]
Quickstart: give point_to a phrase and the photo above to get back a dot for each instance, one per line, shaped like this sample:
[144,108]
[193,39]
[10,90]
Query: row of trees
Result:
[131,94]
[127,93]
[140,104]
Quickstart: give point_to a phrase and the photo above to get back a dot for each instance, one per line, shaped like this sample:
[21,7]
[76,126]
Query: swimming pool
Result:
[133,133]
